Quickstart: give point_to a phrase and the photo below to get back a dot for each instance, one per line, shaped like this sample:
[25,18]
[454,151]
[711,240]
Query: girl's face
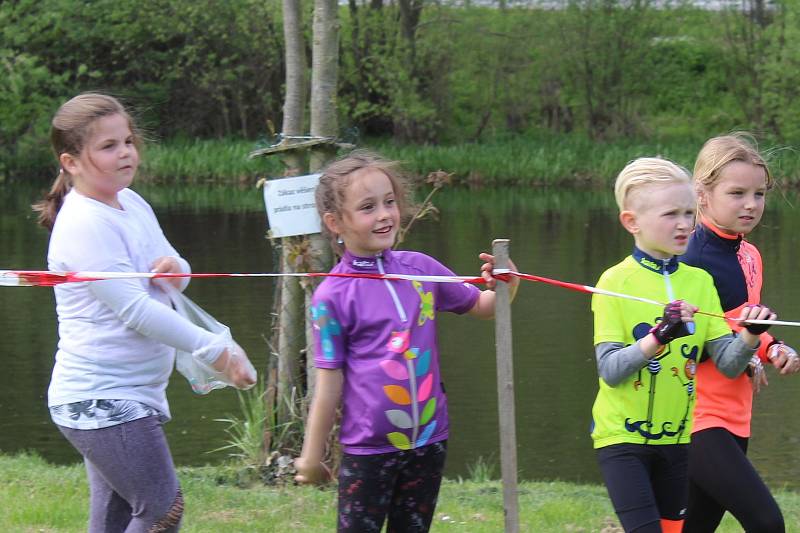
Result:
[370,217]
[735,202]
[108,161]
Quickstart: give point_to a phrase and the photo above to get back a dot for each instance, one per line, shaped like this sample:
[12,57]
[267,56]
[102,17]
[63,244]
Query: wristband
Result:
[772,354]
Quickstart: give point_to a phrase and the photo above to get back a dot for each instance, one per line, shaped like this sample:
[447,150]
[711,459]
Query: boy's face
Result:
[661,218]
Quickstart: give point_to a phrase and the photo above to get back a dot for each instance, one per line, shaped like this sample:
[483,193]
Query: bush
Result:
[29,93]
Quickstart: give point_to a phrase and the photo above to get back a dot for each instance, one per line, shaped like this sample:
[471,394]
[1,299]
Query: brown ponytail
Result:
[70,129]
[49,206]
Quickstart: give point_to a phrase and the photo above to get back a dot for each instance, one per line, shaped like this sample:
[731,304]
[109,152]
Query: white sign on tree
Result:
[291,209]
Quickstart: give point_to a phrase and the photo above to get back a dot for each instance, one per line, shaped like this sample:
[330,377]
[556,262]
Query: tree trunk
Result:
[291,332]
[291,322]
[295,99]
[410,13]
[324,123]
[324,77]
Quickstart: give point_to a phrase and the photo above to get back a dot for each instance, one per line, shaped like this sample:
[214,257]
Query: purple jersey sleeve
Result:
[453,297]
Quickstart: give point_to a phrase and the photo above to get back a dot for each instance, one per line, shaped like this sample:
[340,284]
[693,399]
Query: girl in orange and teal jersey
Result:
[731,180]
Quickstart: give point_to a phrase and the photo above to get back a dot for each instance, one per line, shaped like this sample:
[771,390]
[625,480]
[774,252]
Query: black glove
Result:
[757,329]
[671,326]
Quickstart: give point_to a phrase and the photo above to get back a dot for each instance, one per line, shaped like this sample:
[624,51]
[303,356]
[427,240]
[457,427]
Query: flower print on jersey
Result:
[328,327]
[398,342]
[415,369]
[748,265]
[426,308]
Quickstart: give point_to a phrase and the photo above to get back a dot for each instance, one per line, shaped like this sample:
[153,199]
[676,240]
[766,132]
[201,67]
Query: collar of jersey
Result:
[366,263]
[656,265]
[726,237]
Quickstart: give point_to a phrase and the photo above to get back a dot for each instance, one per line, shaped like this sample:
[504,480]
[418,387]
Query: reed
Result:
[482,470]
[533,159]
[202,197]
[205,161]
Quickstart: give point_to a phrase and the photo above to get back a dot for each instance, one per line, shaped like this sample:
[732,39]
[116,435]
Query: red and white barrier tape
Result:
[45,278]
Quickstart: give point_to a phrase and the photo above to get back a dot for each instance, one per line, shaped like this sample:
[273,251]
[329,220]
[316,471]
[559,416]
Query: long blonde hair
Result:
[71,128]
[336,177]
[719,151]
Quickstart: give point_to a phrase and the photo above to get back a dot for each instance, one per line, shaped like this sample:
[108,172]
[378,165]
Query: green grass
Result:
[527,160]
[534,160]
[40,497]
[199,161]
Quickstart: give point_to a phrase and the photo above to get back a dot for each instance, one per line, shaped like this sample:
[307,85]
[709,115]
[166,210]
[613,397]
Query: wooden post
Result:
[505,391]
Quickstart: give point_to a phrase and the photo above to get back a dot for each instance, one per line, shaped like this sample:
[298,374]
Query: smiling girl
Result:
[376,352]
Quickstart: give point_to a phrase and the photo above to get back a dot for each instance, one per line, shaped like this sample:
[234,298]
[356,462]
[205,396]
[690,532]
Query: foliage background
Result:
[411,71]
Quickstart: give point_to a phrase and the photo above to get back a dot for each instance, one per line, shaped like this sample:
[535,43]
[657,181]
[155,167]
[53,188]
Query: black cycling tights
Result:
[721,479]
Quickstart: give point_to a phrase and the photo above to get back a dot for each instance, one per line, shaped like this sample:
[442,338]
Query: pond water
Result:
[567,235]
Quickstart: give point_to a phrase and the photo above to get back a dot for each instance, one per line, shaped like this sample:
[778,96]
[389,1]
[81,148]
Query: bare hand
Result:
[167,265]
[784,358]
[491,281]
[311,472]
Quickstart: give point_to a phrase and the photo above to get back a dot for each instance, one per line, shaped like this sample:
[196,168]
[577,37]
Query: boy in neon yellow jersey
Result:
[646,357]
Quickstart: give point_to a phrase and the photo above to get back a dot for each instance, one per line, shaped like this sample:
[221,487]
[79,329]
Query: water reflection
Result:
[570,235]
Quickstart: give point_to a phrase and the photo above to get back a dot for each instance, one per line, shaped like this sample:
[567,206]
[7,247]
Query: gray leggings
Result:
[132,481]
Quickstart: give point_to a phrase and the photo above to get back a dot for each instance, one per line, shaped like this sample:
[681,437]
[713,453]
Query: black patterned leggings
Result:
[402,486]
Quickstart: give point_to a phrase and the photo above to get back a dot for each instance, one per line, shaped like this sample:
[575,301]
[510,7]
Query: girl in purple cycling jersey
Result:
[376,353]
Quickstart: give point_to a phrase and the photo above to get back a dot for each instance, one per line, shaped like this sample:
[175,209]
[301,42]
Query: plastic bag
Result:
[202,377]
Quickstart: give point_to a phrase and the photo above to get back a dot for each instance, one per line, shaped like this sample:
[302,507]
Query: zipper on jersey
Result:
[667,282]
[395,299]
[670,294]
[412,371]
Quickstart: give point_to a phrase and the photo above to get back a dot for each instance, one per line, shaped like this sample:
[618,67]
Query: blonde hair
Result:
[717,152]
[336,177]
[646,171]
[71,128]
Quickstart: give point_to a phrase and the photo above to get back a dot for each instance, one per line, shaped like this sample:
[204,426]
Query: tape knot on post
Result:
[503,274]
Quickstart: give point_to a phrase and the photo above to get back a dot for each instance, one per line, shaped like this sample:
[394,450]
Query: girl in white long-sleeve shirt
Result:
[117,338]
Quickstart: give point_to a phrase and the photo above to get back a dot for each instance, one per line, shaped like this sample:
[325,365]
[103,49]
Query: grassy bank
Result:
[533,160]
[38,496]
